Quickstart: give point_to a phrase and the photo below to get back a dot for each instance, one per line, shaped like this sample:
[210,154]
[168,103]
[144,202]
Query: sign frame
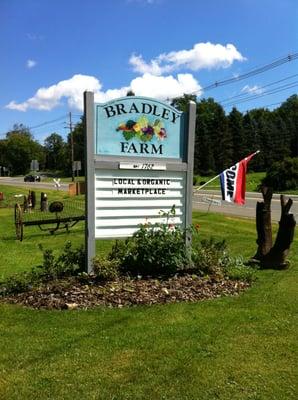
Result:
[94,162]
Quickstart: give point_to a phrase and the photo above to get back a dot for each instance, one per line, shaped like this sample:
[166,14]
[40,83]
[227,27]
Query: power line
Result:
[253,72]
[259,70]
[274,64]
[273,91]
[47,122]
[48,127]
[258,88]
[266,105]
[53,129]
[273,104]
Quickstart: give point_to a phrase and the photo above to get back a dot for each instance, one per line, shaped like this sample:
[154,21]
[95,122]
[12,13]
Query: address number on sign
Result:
[143,166]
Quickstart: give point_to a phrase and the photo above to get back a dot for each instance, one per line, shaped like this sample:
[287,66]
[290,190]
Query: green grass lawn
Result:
[241,347]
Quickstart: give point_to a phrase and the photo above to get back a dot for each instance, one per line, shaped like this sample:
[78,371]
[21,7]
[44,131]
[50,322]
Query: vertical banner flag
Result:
[233,181]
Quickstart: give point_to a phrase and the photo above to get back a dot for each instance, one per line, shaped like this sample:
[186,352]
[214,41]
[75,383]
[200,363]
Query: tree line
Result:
[221,139]
[19,148]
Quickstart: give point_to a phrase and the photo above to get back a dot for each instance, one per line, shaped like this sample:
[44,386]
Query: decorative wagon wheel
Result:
[18,218]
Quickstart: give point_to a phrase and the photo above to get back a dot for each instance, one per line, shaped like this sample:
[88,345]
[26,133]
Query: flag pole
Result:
[212,179]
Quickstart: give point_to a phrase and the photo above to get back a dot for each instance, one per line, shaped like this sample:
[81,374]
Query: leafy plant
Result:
[154,250]
[212,257]
[237,270]
[18,283]
[69,263]
[209,256]
[106,269]
[282,175]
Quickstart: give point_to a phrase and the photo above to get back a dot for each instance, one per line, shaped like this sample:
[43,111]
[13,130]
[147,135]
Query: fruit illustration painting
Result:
[142,129]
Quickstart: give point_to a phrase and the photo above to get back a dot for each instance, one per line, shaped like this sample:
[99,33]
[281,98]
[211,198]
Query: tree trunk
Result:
[269,256]
[263,223]
[276,258]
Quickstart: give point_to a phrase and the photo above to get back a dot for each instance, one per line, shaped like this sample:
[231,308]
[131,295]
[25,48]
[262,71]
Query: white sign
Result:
[143,166]
[139,164]
[76,166]
[34,165]
[57,183]
[126,199]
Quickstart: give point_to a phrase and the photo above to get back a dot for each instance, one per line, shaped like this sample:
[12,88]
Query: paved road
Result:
[203,200]
[18,181]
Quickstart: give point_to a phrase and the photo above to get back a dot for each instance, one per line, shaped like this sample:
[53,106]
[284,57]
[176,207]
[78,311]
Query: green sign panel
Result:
[139,127]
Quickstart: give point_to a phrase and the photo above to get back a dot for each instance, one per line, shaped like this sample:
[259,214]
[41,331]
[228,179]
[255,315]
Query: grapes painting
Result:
[142,129]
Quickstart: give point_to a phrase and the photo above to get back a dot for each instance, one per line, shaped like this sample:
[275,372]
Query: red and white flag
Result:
[233,181]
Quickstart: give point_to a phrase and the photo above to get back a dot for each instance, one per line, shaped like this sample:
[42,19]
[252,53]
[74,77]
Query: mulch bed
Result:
[75,294]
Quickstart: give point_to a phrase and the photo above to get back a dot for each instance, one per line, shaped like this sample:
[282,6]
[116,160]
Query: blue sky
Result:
[52,50]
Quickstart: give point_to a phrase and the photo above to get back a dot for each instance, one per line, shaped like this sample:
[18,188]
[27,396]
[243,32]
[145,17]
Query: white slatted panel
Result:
[126,198]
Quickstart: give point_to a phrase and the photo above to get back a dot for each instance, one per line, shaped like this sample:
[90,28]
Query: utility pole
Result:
[72,148]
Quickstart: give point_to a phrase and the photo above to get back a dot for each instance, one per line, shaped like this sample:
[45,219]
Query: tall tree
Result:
[235,126]
[213,133]
[78,135]
[288,112]
[181,103]
[56,152]
[21,148]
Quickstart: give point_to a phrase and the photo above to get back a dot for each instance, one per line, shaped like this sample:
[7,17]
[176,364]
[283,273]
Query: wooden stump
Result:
[269,256]
[263,223]
[43,202]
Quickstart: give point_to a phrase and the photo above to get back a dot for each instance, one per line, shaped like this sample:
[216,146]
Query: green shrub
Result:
[154,250]
[161,250]
[69,263]
[106,269]
[237,270]
[282,175]
[209,256]
[19,283]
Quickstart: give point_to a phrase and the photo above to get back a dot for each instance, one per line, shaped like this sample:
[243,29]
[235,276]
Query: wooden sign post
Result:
[139,162]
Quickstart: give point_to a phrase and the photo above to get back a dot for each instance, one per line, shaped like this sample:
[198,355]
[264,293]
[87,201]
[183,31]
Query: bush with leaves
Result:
[211,257]
[161,250]
[158,249]
[69,263]
[154,250]
[282,175]
[236,269]
[106,269]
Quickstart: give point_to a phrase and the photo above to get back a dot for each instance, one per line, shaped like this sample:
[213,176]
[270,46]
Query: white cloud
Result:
[47,98]
[202,55]
[31,63]
[140,66]
[160,87]
[252,89]
[165,87]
